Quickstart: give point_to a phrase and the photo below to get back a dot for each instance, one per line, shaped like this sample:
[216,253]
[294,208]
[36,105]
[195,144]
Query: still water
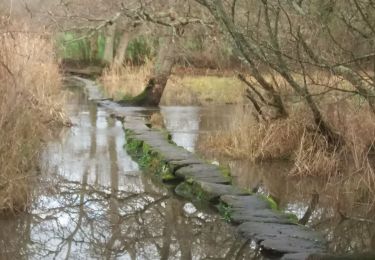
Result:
[338,208]
[94,203]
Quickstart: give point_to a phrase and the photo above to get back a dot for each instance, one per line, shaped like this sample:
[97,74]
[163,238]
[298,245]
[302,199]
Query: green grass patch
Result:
[203,90]
[225,211]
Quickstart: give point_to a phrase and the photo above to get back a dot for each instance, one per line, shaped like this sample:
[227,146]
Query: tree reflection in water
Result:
[94,203]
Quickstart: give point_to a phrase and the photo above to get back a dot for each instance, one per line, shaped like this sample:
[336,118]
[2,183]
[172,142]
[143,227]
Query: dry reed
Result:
[120,81]
[297,140]
[28,108]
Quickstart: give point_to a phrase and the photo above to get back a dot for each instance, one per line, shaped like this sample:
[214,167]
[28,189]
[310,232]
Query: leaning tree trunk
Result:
[109,44]
[162,70]
[121,48]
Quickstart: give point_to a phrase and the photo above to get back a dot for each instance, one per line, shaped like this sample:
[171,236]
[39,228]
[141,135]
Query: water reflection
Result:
[337,208]
[186,123]
[93,203]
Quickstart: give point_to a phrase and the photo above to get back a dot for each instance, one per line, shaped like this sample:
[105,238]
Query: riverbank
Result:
[186,86]
[30,106]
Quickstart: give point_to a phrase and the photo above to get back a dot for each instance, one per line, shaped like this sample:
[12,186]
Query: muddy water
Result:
[338,207]
[94,203]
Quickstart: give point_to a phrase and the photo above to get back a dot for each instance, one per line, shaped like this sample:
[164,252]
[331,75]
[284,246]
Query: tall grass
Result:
[120,82]
[29,107]
[297,140]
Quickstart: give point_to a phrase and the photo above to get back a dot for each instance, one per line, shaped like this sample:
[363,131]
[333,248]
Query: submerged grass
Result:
[28,108]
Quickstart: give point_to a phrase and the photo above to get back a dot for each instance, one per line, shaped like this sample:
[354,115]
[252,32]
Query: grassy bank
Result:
[29,107]
[181,89]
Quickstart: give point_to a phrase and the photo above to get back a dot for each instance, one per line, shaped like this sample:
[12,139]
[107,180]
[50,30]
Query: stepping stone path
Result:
[273,230]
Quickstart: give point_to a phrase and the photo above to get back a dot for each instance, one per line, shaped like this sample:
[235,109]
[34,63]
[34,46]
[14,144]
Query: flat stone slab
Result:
[263,216]
[251,202]
[283,238]
[214,190]
[265,230]
[253,208]
[292,245]
[174,165]
[203,172]
[296,256]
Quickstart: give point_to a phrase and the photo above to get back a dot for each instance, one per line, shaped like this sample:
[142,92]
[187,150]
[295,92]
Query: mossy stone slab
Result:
[215,190]
[174,165]
[283,238]
[251,202]
[203,172]
[253,209]
[264,216]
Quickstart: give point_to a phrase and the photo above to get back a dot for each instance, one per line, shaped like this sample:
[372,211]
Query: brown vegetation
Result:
[198,87]
[121,81]
[29,106]
[297,139]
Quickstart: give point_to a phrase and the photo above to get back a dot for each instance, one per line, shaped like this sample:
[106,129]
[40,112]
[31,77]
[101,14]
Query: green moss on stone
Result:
[191,190]
[225,171]
[270,201]
[292,217]
[225,211]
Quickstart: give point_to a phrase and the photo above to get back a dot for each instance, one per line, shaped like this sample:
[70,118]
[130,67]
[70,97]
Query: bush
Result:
[29,87]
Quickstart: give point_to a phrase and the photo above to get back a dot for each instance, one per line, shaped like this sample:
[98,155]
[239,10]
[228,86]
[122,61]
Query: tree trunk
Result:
[109,44]
[249,51]
[121,48]
[162,70]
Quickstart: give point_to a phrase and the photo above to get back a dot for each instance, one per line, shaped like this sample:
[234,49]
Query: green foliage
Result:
[139,50]
[271,202]
[225,171]
[72,46]
[101,47]
[194,44]
[133,146]
[225,211]
[190,190]
[292,217]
